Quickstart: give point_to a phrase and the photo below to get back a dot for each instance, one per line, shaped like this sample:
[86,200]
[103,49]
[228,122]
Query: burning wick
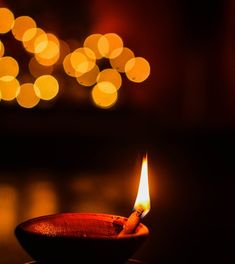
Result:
[142,202]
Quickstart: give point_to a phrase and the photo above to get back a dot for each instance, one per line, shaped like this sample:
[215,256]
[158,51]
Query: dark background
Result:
[63,156]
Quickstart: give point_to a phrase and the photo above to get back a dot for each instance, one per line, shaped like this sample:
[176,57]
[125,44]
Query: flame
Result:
[143,198]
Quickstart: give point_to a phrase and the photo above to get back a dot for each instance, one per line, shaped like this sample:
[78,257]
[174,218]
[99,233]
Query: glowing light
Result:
[120,61]
[143,198]
[2,49]
[27,97]
[37,69]
[8,66]
[137,69]
[9,88]
[68,68]
[51,53]
[7,20]
[46,87]
[42,199]
[35,40]
[89,78]
[110,45]
[104,94]
[21,25]
[83,60]
[110,75]
[64,51]
[8,210]
[91,42]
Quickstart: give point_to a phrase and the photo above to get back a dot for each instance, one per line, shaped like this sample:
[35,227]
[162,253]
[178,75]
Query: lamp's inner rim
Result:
[80,225]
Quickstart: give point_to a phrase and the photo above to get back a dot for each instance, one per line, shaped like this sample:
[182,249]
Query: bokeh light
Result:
[42,199]
[2,49]
[27,97]
[64,51]
[51,53]
[8,211]
[91,42]
[46,87]
[110,75]
[10,88]
[120,61]
[35,40]
[110,45]
[104,94]
[6,20]
[89,78]
[21,25]
[68,68]
[137,69]
[83,60]
[8,67]
[37,69]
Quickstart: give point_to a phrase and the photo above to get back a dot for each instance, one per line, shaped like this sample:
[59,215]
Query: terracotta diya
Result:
[87,237]
[80,238]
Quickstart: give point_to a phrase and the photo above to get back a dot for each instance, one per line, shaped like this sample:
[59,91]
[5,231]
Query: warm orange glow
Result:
[8,67]
[110,75]
[7,20]
[68,68]
[8,211]
[35,40]
[46,87]
[37,69]
[42,199]
[120,61]
[51,53]
[104,94]
[64,51]
[83,60]
[89,78]
[110,45]
[91,42]
[27,97]
[137,69]
[22,24]
[2,49]
[9,88]
[143,198]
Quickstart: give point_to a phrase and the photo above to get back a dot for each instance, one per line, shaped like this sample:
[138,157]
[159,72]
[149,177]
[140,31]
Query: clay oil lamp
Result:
[87,237]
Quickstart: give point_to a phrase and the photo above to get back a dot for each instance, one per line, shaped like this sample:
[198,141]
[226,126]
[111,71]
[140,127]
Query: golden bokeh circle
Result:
[10,88]
[110,45]
[83,60]
[8,66]
[6,20]
[110,75]
[21,25]
[91,42]
[120,61]
[137,69]
[27,97]
[104,94]
[89,78]
[46,87]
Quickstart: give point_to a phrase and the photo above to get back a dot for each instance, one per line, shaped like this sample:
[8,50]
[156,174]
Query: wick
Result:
[132,222]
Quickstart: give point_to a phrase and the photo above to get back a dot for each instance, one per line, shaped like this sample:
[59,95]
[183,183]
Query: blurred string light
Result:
[86,64]
[2,49]
[82,64]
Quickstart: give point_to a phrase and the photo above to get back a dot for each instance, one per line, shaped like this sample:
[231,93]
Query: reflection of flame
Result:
[143,199]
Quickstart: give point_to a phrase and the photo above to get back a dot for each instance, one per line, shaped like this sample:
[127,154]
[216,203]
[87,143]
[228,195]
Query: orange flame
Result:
[143,198]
